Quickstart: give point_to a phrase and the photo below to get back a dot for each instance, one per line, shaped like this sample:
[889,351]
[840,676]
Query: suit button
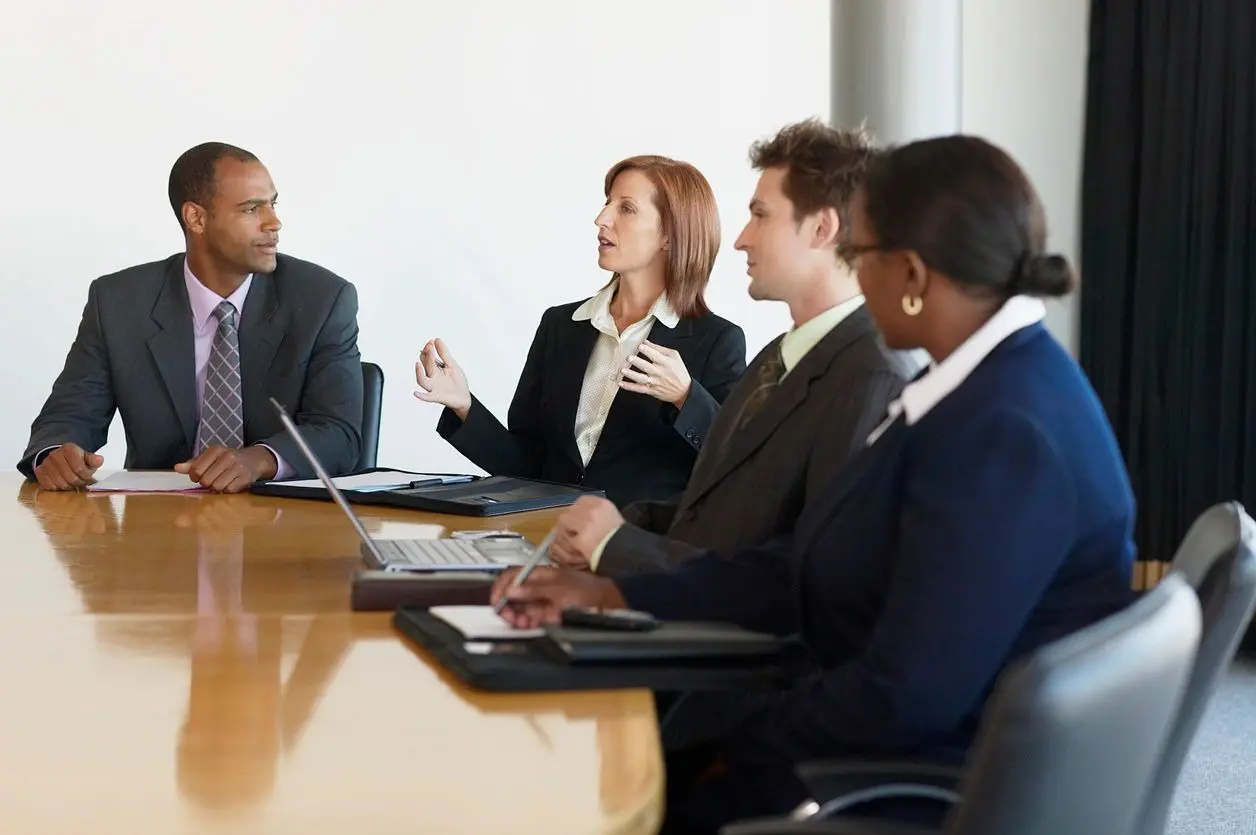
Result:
[580,479]
[697,439]
[689,434]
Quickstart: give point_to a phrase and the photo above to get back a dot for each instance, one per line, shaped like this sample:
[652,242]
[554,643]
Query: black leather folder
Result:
[671,642]
[543,664]
[482,496]
[491,496]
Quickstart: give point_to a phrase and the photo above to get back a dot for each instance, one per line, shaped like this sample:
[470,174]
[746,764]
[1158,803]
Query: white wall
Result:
[446,157]
[1024,76]
[1020,68]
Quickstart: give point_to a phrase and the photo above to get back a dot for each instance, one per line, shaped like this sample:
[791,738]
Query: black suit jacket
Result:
[647,449]
[134,354]
[816,419]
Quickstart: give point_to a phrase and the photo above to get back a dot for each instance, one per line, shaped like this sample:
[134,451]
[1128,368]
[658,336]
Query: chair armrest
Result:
[838,785]
[846,826]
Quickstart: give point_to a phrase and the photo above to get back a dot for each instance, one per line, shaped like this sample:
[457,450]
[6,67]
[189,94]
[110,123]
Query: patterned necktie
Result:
[765,383]
[222,408]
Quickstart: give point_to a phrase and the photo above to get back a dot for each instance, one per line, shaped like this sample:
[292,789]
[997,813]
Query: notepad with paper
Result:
[145,482]
[481,623]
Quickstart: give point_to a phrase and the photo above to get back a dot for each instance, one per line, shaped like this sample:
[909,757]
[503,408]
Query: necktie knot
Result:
[774,368]
[766,380]
[225,313]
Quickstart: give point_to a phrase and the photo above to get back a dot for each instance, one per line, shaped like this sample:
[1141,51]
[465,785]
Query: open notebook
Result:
[380,480]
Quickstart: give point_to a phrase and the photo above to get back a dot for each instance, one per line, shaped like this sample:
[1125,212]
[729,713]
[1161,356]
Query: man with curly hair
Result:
[805,404]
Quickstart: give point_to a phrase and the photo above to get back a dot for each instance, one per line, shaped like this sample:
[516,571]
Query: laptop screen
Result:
[332,489]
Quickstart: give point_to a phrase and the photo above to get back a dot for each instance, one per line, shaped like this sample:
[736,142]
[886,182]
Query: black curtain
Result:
[1168,261]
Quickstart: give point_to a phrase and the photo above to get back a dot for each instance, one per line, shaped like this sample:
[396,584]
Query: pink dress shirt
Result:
[204,326]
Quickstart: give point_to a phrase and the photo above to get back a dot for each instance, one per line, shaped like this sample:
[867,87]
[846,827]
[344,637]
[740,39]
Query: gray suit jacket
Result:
[134,354]
[749,486]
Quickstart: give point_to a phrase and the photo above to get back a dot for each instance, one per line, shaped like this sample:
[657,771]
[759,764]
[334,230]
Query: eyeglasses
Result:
[849,252]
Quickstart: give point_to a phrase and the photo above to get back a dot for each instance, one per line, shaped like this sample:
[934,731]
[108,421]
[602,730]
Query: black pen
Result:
[536,557]
[425,482]
[440,482]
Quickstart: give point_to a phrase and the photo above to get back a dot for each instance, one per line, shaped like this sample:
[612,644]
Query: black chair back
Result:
[372,409]
[1071,739]
[1218,558]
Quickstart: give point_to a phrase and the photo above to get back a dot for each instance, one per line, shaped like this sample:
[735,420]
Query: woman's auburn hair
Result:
[691,225]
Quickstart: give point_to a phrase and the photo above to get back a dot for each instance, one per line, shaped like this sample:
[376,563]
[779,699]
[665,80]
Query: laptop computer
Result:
[490,554]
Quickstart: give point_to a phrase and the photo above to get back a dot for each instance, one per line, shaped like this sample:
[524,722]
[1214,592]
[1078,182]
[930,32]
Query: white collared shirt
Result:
[919,396]
[610,355]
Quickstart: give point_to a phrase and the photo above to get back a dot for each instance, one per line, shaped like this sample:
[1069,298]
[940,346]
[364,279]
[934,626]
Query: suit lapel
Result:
[789,395]
[621,415]
[172,347]
[666,337]
[573,346]
[261,331]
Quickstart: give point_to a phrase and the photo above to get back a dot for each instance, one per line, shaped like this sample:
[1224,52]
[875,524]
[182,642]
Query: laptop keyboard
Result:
[432,552]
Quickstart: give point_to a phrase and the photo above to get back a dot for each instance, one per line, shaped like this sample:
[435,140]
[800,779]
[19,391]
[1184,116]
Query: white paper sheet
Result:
[145,482]
[481,623]
[365,482]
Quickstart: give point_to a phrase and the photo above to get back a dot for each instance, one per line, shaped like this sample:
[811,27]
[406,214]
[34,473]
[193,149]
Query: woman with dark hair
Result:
[606,398]
[989,514]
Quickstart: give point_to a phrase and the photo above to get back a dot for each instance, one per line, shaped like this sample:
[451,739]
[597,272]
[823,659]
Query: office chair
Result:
[1071,738]
[1217,558]
[372,409]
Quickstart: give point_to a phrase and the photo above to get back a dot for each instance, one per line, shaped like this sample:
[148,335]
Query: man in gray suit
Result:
[806,403]
[190,349]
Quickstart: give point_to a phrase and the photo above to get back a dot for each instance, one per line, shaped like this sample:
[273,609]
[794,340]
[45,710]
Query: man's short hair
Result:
[192,176]
[823,165]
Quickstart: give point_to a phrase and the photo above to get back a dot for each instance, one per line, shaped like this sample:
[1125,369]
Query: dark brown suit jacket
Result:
[749,486]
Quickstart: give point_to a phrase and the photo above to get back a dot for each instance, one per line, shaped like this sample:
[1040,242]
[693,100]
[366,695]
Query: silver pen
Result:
[533,561]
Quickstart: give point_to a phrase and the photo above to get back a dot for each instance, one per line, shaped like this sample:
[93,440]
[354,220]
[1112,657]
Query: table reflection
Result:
[137,553]
[218,683]
[242,714]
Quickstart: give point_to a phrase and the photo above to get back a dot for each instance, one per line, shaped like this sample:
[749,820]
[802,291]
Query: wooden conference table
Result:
[188,663]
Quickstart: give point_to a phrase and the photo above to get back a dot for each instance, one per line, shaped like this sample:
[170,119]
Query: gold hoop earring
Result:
[912,305]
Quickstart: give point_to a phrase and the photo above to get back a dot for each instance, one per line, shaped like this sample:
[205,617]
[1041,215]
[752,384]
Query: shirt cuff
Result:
[596,556]
[282,470]
[38,458]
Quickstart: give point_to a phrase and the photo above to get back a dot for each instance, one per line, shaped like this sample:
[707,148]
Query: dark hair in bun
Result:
[1041,274]
[968,210]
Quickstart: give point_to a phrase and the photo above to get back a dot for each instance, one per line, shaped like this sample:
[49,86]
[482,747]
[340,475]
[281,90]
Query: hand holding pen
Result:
[548,591]
[538,554]
[441,380]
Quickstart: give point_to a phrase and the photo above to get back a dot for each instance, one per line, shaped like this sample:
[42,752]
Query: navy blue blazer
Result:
[1001,520]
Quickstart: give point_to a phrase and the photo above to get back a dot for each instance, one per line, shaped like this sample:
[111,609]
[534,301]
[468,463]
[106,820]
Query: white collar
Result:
[921,395]
[598,309]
